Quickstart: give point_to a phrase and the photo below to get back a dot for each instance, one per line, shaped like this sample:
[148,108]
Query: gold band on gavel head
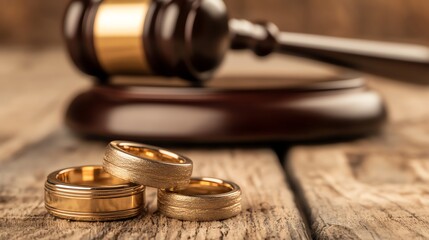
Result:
[205,199]
[118,36]
[88,193]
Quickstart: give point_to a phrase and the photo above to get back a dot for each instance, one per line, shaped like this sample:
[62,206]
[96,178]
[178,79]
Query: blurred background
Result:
[36,23]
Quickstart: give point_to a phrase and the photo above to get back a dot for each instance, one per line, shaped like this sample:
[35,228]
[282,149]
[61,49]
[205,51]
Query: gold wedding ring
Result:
[147,165]
[88,193]
[116,189]
[205,199]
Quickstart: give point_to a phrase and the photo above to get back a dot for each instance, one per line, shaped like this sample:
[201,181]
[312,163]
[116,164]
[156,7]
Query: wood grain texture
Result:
[35,88]
[372,188]
[375,188]
[268,207]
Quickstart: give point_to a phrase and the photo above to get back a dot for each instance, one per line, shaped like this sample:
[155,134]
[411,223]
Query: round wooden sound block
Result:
[281,109]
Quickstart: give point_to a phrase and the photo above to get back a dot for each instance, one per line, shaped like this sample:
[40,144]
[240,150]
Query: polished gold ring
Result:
[147,165]
[205,199]
[88,193]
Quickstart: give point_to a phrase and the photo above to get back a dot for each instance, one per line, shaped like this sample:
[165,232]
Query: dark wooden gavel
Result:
[189,38]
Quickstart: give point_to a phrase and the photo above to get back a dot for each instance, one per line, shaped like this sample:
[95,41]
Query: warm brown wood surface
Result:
[369,188]
[35,88]
[375,188]
[268,207]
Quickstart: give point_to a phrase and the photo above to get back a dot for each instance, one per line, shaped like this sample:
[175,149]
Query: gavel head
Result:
[184,38]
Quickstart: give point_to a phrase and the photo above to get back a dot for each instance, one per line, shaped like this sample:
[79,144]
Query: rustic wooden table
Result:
[373,188]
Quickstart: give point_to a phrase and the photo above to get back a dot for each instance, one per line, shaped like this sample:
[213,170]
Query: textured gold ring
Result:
[88,193]
[147,165]
[205,199]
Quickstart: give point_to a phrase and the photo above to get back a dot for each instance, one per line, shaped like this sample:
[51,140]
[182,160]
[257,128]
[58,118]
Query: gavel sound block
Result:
[188,39]
[327,109]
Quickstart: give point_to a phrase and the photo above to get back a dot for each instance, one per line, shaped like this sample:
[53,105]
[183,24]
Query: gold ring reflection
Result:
[205,199]
[88,193]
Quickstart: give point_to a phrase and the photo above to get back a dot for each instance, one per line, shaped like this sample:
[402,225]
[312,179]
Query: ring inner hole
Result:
[161,155]
[202,187]
[89,176]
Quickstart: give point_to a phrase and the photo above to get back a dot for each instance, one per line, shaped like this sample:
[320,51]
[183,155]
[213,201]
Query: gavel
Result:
[189,39]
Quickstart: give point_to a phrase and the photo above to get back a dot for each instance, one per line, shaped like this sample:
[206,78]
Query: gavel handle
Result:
[407,62]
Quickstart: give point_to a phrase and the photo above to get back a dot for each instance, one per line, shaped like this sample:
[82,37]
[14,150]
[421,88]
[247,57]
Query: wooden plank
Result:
[268,206]
[375,188]
[37,87]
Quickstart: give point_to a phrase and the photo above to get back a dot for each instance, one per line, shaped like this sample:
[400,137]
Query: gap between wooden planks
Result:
[269,210]
[374,188]
[36,87]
